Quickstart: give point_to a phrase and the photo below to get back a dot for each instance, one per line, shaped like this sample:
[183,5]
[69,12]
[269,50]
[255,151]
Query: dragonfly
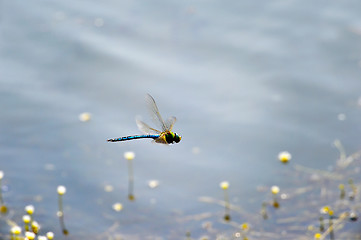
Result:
[166,136]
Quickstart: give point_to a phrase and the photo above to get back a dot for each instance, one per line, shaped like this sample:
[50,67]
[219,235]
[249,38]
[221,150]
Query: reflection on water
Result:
[245,80]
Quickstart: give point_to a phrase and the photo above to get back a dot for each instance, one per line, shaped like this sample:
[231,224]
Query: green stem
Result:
[1,196]
[61,215]
[227,216]
[130,181]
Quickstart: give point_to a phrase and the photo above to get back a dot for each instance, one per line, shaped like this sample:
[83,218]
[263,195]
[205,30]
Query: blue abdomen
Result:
[132,137]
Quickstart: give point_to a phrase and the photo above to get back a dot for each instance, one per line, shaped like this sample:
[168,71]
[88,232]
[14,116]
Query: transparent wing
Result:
[154,112]
[161,141]
[170,122]
[143,127]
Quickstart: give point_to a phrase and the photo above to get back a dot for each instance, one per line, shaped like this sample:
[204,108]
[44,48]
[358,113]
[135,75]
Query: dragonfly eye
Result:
[177,138]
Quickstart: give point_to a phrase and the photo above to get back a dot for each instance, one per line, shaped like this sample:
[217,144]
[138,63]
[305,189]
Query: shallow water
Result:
[245,80]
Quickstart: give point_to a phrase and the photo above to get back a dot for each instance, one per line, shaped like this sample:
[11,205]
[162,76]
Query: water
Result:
[245,80]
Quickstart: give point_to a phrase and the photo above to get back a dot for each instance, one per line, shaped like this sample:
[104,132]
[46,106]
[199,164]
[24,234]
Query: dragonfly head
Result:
[172,137]
[177,138]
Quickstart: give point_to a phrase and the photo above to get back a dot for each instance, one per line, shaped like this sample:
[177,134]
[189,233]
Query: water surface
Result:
[245,80]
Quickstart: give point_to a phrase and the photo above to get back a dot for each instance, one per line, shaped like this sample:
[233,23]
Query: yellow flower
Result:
[35,225]
[117,207]
[50,235]
[26,218]
[30,235]
[153,183]
[245,226]
[284,156]
[84,117]
[317,236]
[29,209]
[224,185]
[16,230]
[129,155]
[61,190]
[108,188]
[325,209]
[275,190]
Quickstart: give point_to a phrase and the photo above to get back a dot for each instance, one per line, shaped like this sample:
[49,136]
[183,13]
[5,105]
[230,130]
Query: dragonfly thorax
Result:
[172,137]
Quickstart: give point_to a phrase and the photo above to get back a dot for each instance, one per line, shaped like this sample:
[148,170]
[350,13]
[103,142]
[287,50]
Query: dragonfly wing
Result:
[170,122]
[154,112]
[145,128]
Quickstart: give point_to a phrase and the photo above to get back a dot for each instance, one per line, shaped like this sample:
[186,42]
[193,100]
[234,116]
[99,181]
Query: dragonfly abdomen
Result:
[132,137]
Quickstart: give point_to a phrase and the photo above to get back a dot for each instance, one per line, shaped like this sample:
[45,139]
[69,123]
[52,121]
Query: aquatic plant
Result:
[61,191]
[301,198]
[275,190]
[27,221]
[35,227]
[342,191]
[225,185]
[129,156]
[29,209]
[305,211]
[3,207]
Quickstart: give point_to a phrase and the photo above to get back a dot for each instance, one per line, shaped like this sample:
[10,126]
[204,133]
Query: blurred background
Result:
[245,79]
